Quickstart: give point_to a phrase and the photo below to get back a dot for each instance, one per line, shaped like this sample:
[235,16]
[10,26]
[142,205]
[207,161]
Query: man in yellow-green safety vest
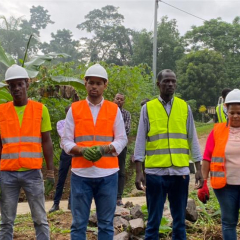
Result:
[221,110]
[166,136]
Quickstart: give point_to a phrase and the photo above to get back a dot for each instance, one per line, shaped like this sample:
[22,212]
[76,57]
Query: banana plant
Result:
[33,67]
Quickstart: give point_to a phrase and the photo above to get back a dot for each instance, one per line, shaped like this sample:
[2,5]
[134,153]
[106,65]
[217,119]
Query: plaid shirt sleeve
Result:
[127,120]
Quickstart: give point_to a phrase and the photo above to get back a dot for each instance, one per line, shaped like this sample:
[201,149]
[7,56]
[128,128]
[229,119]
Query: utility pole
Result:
[154,66]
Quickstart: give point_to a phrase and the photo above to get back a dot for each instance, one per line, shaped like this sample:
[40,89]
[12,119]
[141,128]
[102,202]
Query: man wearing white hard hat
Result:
[94,134]
[24,134]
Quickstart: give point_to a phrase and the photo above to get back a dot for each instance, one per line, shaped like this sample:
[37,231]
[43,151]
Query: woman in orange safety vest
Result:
[222,159]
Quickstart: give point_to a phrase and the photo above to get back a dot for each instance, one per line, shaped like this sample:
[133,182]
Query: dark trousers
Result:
[121,173]
[65,163]
[158,189]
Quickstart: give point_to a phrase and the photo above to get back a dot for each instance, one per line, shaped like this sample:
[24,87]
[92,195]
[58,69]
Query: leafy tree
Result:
[222,37]
[14,32]
[169,44]
[142,47]
[11,36]
[39,18]
[193,104]
[63,41]
[201,76]
[111,41]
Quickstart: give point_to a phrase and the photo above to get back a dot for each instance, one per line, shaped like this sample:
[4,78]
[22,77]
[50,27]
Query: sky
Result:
[138,14]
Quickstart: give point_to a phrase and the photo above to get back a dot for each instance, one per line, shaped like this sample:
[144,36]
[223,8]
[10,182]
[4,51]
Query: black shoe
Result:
[119,202]
[54,208]
[69,206]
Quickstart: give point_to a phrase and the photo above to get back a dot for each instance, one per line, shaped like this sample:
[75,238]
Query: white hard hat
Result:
[233,96]
[96,70]
[15,72]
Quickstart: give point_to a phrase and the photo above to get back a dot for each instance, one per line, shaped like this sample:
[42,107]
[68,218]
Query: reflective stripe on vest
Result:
[167,151]
[21,139]
[22,155]
[167,143]
[87,134]
[217,166]
[217,174]
[217,159]
[21,145]
[220,114]
[92,138]
[166,135]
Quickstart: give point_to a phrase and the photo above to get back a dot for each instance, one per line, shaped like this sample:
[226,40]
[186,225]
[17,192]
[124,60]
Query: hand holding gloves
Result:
[94,153]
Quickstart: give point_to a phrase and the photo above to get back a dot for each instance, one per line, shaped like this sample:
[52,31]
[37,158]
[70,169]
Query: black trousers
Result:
[121,173]
[65,164]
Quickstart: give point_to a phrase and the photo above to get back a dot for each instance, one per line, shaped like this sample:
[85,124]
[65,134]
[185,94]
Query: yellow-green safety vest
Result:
[167,143]
[220,114]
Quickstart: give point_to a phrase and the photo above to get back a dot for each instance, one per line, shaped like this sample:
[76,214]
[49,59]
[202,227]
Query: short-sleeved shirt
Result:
[45,125]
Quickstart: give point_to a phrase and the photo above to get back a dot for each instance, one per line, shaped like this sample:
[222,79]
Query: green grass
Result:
[203,128]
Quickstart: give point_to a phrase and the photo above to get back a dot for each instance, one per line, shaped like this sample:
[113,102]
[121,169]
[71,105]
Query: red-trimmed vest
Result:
[86,134]
[217,166]
[21,145]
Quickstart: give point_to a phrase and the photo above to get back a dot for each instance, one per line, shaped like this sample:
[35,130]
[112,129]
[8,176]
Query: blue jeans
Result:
[65,163]
[158,188]
[104,192]
[32,183]
[229,200]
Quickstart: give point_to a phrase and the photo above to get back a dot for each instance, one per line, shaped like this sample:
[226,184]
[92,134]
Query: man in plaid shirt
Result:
[119,100]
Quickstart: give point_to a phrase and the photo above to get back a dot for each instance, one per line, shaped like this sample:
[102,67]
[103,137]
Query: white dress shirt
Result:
[119,142]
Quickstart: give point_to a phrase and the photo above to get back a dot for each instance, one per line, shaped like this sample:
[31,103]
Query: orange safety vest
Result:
[21,145]
[86,134]
[217,166]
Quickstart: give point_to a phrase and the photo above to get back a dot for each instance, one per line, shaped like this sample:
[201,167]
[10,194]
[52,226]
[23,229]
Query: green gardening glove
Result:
[99,152]
[94,153]
[49,182]
[89,154]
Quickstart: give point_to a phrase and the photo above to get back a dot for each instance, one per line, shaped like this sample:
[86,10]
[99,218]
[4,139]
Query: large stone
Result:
[128,204]
[121,236]
[137,226]
[136,212]
[191,211]
[116,232]
[120,211]
[92,222]
[120,223]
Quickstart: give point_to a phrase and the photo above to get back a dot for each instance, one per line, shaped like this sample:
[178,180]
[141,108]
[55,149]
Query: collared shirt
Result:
[60,129]
[127,120]
[143,129]
[119,142]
